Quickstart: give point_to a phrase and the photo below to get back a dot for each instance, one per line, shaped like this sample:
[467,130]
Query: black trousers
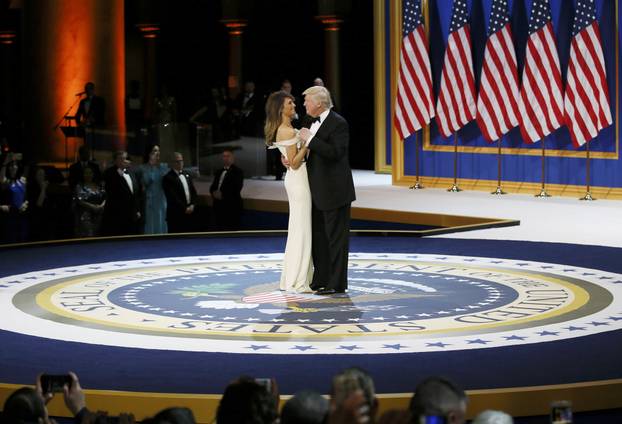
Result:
[330,247]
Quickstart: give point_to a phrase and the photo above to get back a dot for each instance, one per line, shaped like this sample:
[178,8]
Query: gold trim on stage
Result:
[380,92]
[397,156]
[397,145]
[515,187]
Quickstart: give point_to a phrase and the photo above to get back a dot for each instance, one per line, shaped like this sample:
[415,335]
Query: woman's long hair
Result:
[274,109]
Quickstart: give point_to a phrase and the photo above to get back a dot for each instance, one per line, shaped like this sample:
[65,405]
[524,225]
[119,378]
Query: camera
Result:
[561,412]
[265,382]
[432,419]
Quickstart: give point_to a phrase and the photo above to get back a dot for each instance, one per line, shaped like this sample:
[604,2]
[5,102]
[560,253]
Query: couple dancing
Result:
[319,188]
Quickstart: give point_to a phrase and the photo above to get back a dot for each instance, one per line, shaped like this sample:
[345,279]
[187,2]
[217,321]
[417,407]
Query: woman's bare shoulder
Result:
[285,133]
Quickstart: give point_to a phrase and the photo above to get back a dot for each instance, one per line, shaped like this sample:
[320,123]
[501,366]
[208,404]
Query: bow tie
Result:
[316,119]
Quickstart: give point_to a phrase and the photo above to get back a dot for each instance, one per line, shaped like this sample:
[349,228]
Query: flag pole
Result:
[418,185]
[499,190]
[588,195]
[543,193]
[454,188]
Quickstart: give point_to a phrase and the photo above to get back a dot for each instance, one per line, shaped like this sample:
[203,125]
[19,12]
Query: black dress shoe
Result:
[317,288]
[326,292]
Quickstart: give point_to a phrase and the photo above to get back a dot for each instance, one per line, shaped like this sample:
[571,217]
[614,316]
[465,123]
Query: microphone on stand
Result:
[80,93]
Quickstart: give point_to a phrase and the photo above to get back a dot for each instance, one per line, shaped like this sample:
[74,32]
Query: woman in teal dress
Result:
[155,200]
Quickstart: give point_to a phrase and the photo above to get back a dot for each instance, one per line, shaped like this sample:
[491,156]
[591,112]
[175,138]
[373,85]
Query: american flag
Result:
[541,104]
[415,104]
[456,99]
[497,104]
[278,297]
[586,102]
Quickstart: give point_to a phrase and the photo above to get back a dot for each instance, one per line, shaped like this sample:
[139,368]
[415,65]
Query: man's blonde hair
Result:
[320,95]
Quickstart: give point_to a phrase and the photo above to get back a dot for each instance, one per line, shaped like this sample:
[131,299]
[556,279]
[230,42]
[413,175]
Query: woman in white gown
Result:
[297,264]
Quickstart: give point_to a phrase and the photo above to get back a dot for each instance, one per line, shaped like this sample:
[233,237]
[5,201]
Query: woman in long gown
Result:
[297,264]
[155,200]
[89,203]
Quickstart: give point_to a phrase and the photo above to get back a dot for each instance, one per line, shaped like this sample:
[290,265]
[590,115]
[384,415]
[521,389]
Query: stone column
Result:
[70,43]
[149,33]
[332,69]
[8,80]
[235,27]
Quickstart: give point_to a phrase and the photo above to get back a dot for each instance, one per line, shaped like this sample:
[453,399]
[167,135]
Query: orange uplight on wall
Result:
[69,44]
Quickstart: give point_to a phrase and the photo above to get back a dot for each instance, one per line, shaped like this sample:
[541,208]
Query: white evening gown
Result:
[297,264]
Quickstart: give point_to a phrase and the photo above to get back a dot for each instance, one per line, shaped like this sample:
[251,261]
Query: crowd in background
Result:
[156,197]
[247,400]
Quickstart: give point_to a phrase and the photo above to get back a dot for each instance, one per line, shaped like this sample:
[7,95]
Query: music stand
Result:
[70,131]
[67,129]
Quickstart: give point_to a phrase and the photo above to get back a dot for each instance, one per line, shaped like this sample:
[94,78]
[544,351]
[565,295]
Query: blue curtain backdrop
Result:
[515,167]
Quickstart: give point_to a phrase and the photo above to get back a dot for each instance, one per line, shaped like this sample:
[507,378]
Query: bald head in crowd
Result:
[439,397]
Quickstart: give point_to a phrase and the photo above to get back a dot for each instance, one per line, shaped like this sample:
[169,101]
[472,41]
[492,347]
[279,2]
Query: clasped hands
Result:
[305,135]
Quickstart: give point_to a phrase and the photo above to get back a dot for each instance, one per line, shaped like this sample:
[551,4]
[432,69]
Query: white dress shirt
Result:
[184,183]
[316,125]
[127,178]
[222,178]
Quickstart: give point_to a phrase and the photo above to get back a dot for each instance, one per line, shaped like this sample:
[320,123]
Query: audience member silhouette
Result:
[91,116]
[352,380]
[436,396]
[250,107]
[225,191]
[89,203]
[246,402]
[174,416]
[13,200]
[41,213]
[305,407]
[123,195]
[76,170]
[181,197]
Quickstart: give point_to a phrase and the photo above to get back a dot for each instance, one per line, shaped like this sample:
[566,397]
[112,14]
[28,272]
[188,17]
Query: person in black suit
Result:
[91,115]
[249,105]
[181,197]
[327,136]
[225,191]
[123,198]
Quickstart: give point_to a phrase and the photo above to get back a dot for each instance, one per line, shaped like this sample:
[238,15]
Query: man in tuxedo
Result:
[250,107]
[123,198]
[91,115]
[181,197]
[332,190]
[225,191]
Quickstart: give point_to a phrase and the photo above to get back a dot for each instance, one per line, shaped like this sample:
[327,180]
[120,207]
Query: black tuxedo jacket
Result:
[230,188]
[122,205]
[328,167]
[176,203]
[96,113]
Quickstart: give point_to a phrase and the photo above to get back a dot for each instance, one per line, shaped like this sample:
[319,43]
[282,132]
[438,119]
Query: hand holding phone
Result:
[265,382]
[51,383]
